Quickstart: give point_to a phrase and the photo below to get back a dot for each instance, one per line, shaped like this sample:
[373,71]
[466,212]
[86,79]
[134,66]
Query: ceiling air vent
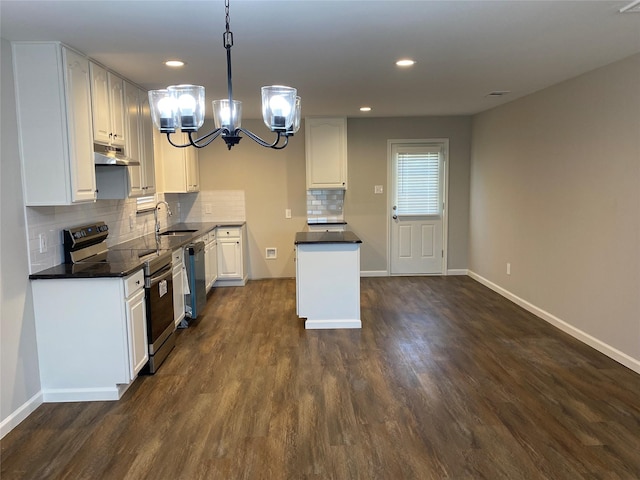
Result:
[633,7]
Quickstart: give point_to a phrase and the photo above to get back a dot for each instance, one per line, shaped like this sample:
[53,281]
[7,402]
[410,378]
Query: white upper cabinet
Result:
[132,124]
[53,102]
[107,97]
[147,161]
[181,173]
[139,129]
[326,152]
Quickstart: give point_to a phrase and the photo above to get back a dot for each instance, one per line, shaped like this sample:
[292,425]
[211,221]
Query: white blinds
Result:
[418,190]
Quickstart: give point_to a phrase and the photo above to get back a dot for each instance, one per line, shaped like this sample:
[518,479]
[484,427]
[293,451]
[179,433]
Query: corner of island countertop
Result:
[326,237]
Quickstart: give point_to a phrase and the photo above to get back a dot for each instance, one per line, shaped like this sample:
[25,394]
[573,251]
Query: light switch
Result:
[287,213]
[377,189]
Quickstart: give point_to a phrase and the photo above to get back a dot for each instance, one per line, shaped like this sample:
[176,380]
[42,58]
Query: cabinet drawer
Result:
[232,232]
[177,257]
[133,282]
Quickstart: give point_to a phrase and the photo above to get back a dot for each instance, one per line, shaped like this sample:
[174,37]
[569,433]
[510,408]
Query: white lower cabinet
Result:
[92,336]
[137,332]
[328,285]
[232,252]
[210,259]
[179,274]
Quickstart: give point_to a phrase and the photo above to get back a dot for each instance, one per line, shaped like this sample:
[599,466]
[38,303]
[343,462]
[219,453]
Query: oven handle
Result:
[157,277]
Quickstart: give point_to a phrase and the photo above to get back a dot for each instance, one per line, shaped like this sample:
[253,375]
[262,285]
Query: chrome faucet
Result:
[155,214]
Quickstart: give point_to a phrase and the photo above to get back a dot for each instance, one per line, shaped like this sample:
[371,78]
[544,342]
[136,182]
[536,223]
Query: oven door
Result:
[159,298]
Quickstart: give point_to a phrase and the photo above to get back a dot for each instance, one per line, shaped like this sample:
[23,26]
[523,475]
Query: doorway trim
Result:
[445,194]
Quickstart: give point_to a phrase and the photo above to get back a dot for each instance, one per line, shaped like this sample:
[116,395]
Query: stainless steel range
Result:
[86,245]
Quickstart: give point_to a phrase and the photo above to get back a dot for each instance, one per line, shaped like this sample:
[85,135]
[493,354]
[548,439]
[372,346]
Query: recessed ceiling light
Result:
[174,63]
[405,62]
[365,109]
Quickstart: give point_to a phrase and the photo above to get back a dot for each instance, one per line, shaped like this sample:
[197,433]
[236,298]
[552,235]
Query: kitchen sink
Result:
[176,233]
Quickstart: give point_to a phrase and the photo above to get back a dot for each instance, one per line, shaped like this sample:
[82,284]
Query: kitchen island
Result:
[328,279]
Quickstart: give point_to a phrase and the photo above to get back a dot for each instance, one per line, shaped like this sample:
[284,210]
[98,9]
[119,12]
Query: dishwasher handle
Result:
[157,277]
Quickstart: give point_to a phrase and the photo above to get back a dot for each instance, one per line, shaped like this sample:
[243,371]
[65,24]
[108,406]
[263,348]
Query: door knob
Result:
[395,217]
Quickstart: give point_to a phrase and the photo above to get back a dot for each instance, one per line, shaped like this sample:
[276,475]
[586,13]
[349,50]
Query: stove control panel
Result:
[76,238]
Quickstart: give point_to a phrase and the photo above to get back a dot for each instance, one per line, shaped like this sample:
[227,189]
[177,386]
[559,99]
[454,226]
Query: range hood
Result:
[106,155]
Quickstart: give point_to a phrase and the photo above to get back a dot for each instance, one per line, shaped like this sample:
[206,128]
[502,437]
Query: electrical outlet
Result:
[287,213]
[508,268]
[207,209]
[43,242]
[377,189]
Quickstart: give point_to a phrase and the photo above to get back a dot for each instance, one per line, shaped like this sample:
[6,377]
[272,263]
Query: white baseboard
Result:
[457,271]
[327,324]
[604,348]
[374,273]
[20,414]
[56,395]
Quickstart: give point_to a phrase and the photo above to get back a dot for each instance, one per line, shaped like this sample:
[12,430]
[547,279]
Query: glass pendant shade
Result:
[225,117]
[278,107]
[190,105]
[295,126]
[164,110]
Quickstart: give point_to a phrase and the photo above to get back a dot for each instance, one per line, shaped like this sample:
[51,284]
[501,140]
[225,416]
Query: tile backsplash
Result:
[123,221]
[325,205]
[213,205]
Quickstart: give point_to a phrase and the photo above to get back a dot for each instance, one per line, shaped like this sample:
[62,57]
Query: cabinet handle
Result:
[137,282]
[237,243]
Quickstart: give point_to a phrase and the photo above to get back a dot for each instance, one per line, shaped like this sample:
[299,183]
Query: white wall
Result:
[555,191]
[19,374]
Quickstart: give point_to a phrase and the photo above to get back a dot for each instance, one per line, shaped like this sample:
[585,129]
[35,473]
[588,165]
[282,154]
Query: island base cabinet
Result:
[91,335]
[328,285]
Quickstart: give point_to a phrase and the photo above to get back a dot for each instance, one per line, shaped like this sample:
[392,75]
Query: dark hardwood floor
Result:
[446,380]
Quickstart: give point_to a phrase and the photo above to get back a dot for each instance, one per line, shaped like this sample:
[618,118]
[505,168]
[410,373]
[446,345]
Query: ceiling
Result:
[340,54]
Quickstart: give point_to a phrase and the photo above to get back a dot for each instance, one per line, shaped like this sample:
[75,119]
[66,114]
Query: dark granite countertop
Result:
[326,237]
[311,222]
[125,258]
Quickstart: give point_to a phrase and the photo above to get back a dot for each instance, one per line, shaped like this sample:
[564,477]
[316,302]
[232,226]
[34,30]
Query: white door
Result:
[417,208]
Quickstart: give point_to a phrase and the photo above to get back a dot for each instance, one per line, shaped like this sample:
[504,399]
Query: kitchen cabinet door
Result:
[137,324]
[181,173]
[229,258]
[100,104]
[211,260]
[178,286]
[147,161]
[107,102]
[133,146]
[193,169]
[326,152]
[116,104]
[232,266]
[53,102]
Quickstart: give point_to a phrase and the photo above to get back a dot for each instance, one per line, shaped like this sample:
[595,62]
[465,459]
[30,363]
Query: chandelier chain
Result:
[227,36]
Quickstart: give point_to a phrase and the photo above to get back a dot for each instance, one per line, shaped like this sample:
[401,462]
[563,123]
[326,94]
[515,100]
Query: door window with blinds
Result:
[418,180]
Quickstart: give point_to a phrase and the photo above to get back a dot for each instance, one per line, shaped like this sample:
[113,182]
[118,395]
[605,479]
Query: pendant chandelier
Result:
[183,107]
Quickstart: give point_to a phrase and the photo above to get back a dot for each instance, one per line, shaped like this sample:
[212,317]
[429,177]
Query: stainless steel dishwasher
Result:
[196,299]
